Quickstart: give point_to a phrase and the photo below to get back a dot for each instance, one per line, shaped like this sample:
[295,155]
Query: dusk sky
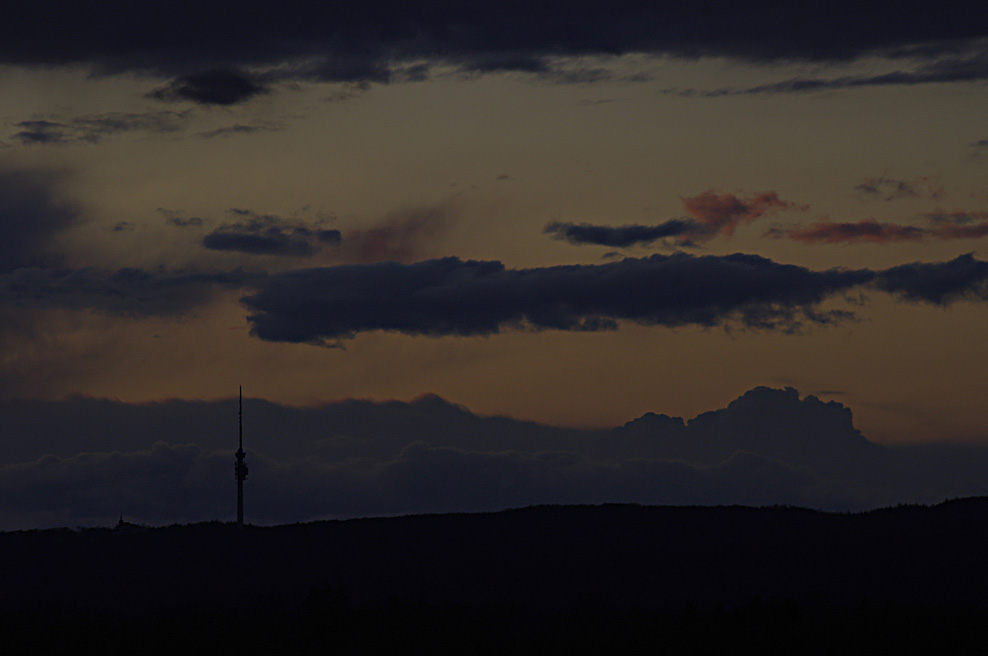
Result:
[565,213]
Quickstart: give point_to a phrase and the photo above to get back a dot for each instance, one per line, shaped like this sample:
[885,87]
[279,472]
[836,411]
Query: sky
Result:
[564,213]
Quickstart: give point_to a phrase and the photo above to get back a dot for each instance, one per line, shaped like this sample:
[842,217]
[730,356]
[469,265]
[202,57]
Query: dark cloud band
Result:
[268,234]
[350,41]
[621,236]
[455,297]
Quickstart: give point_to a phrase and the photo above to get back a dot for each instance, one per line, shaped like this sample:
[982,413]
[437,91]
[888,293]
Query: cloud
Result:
[967,62]
[940,225]
[176,219]
[401,236]
[80,461]
[32,213]
[366,42]
[723,213]
[887,188]
[866,230]
[455,297]
[241,128]
[93,128]
[712,214]
[267,234]
[215,87]
[937,282]
[127,292]
[621,236]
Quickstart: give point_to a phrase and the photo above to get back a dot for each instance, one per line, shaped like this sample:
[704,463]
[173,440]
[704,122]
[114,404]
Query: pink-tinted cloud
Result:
[721,214]
[956,225]
[867,230]
[401,237]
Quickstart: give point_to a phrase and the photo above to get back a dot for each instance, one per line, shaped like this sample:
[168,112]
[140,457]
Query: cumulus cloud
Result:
[79,460]
[268,234]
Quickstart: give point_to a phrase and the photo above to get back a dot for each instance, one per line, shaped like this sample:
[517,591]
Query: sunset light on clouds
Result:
[571,214]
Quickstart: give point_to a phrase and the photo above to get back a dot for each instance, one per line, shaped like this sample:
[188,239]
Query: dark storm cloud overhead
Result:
[31,215]
[216,87]
[619,236]
[455,297]
[128,292]
[267,234]
[352,41]
[93,128]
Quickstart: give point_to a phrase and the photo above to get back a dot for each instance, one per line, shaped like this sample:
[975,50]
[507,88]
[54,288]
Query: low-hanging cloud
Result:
[81,461]
[455,297]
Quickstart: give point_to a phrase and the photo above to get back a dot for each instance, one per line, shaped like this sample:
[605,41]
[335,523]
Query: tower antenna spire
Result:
[240,469]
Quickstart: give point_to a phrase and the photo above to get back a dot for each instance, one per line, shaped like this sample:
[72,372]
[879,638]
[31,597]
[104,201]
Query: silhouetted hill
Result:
[547,558]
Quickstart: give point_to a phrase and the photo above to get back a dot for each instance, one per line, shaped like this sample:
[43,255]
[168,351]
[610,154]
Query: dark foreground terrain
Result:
[547,579]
